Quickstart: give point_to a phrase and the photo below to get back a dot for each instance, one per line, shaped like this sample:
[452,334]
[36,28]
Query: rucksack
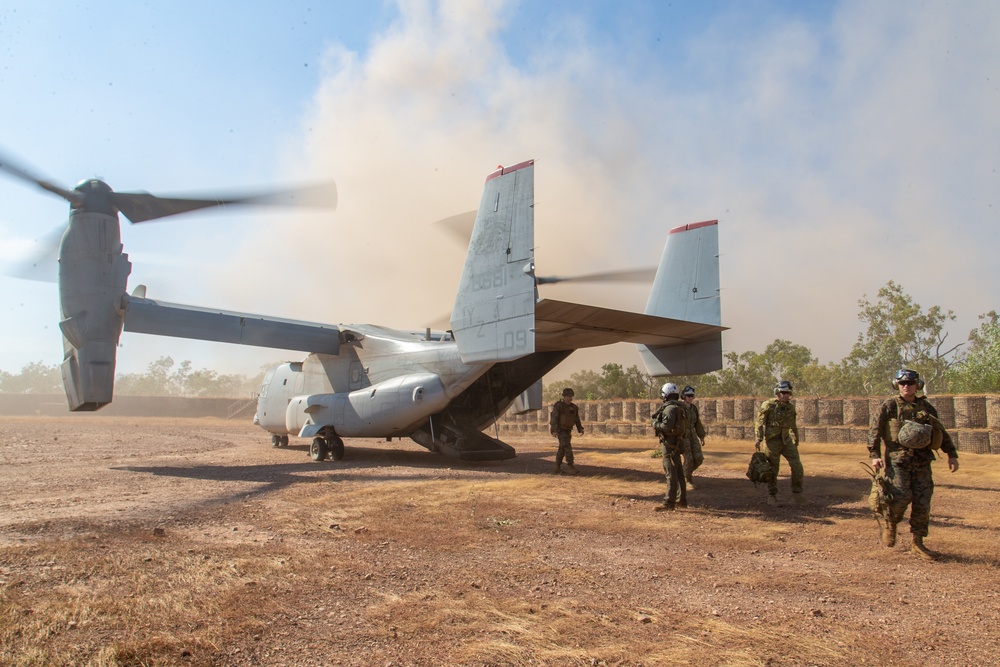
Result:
[880,496]
[663,416]
[760,471]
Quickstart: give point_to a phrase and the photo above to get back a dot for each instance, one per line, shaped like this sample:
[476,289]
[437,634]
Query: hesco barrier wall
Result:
[972,421]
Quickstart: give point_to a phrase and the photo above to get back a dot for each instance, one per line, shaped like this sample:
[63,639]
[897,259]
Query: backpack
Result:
[880,495]
[670,412]
[760,471]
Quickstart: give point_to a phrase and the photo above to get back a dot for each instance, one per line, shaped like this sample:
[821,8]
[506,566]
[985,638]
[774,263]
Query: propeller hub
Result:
[96,197]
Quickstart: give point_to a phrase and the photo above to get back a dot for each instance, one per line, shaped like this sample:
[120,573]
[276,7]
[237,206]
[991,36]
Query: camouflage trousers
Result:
[776,448]
[692,456]
[671,450]
[565,446]
[911,484]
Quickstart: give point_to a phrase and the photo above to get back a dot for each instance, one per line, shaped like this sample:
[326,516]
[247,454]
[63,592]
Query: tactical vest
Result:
[567,415]
[915,412]
[661,419]
[778,417]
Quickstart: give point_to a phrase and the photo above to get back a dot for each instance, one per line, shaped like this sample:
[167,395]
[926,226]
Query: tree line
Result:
[162,378]
[897,333]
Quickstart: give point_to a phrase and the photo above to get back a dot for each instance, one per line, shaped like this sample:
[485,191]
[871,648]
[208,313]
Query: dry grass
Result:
[243,555]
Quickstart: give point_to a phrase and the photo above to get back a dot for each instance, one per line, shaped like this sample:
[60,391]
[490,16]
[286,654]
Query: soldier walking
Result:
[909,428]
[776,426]
[565,416]
[694,438]
[670,425]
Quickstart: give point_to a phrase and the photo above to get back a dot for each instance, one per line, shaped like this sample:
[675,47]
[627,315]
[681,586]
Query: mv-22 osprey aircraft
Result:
[439,388]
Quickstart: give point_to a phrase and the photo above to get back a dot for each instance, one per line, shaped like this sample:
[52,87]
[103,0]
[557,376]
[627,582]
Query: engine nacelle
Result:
[393,407]
[93,275]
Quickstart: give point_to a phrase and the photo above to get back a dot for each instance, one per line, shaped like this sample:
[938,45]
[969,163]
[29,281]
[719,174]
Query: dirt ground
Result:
[193,542]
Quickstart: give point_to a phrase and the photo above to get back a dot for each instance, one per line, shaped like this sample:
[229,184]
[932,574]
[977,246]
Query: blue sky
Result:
[841,144]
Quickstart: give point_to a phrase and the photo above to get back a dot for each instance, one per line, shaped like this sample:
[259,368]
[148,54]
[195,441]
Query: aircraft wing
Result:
[180,321]
[569,326]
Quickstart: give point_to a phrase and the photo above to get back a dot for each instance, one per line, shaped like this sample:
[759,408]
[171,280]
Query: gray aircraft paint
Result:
[441,389]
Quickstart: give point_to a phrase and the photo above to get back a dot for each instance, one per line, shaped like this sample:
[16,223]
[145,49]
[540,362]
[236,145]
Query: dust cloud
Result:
[836,157]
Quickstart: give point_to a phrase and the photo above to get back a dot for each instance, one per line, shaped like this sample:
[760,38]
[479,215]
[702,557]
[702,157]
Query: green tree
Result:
[979,370]
[618,382]
[34,378]
[614,381]
[156,381]
[900,334]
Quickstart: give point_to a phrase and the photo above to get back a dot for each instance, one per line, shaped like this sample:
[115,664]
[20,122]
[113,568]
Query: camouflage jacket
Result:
[564,417]
[918,411]
[776,420]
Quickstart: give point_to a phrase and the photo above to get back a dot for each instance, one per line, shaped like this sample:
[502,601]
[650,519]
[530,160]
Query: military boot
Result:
[888,533]
[773,501]
[558,470]
[571,469]
[919,549]
[798,498]
[666,507]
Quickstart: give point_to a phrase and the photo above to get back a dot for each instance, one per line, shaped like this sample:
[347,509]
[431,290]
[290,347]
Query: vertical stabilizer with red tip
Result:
[686,287]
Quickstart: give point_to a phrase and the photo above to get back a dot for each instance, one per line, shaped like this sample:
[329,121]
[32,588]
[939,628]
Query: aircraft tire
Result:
[318,450]
[283,441]
[336,449]
[275,441]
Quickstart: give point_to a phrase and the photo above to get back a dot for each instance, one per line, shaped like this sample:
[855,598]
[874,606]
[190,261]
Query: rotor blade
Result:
[142,206]
[459,226]
[629,275]
[38,260]
[20,172]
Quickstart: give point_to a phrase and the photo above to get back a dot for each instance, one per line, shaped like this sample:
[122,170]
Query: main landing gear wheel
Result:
[336,448]
[318,450]
[284,441]
[279,440]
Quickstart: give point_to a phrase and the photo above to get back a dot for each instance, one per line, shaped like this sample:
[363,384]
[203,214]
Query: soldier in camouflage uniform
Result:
[907,458]
[694,438]
[670,425]
[565,415]
[776,426]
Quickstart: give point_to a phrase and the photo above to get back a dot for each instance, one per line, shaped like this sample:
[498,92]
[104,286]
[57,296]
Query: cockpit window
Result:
[267,381]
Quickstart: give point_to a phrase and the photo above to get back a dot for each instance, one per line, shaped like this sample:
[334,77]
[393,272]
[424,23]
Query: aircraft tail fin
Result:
[686,287]
[493,317]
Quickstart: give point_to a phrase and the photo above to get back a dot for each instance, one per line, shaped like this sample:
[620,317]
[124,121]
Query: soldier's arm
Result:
[875,432]
[699,428]
[947,445]
[758,422]
[795,425]
[579,424]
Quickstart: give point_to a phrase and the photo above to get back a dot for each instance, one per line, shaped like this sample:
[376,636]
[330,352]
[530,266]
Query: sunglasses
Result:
[906,383]
[788,393]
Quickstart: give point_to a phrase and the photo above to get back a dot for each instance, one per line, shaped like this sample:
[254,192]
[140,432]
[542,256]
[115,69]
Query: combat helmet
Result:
[906,375]
[687,391]
[784,385]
